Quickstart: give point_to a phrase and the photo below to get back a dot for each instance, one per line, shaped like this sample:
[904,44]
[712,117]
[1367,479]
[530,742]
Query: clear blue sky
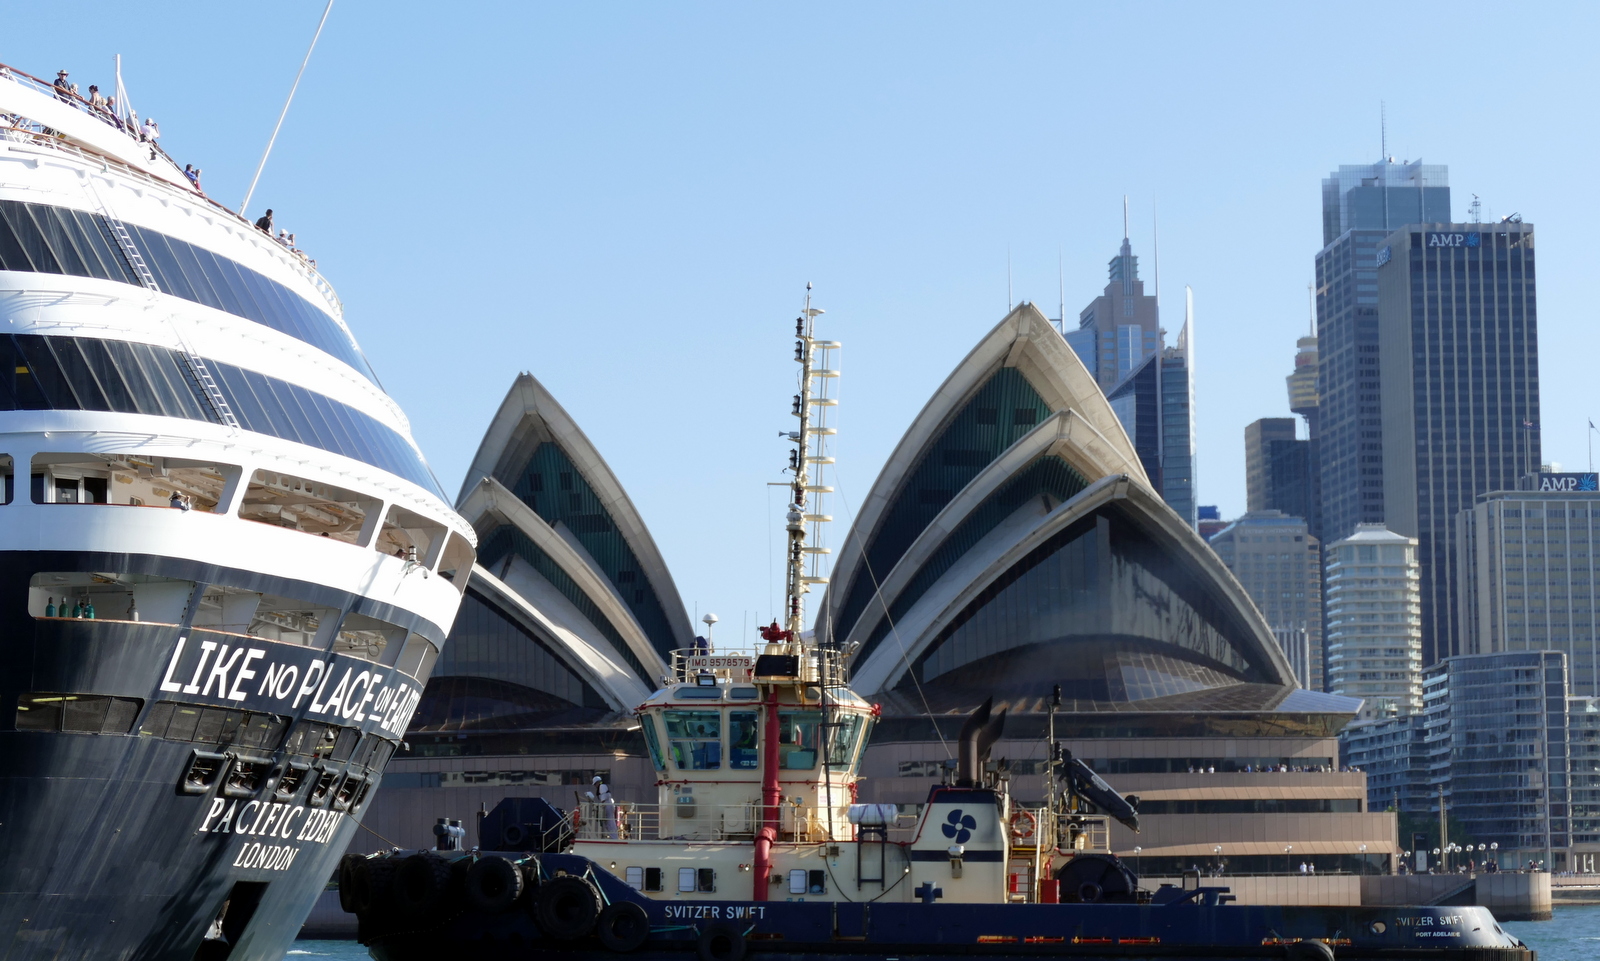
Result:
[628,199]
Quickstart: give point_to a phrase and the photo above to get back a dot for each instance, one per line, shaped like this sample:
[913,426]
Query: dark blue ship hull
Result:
[110,846]
[1196,925]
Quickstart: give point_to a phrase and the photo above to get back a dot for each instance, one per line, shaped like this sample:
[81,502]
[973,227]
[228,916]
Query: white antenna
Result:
[1124,216]
[1383,133]
[1061,278]
[284,113]
[1008,279]
[1155,231]
[124,110]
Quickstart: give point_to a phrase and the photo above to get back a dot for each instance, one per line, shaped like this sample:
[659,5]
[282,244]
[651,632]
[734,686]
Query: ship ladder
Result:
[194,365]
[878,836]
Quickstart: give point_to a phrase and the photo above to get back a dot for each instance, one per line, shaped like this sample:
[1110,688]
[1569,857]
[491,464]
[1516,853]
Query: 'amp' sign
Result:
[1436,239]
[1569,482]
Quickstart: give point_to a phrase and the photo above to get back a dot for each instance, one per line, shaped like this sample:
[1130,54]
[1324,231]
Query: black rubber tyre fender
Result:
[566,907]
[1308,951]
[347,899]
[623,927]
[493,884]
[1090,893]
[721,942]
[421,883]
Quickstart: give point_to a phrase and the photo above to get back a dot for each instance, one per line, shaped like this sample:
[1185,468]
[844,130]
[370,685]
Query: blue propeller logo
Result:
[959,827]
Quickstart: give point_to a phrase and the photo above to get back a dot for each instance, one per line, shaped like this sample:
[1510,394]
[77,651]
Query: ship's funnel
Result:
[977,737]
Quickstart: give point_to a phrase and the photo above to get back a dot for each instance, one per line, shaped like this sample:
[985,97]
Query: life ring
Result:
[1024,824]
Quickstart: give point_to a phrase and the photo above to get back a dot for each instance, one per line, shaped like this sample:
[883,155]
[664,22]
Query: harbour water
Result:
[1574,935]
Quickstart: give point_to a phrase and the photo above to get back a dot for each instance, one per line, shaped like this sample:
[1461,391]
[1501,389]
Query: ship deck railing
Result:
[627,821]
[37,134]
[822,666]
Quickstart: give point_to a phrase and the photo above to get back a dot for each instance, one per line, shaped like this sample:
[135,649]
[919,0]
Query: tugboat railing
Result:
[627,821]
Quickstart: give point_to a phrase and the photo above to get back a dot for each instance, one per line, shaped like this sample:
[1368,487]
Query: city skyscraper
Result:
[1361,205]
[1458,355]
[1277,468]
[1304,401]
[1528,573]
[1276,561]
[1122,326]
[1150,385]
[1374,630]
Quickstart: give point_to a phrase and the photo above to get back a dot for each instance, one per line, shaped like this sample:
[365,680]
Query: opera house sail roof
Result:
[571,614]
[1013,542]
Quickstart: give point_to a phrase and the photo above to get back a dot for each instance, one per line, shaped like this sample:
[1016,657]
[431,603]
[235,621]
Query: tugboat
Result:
[756,845]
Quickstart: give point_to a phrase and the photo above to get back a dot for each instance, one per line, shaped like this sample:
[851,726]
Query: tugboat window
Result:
[842,742]
[707,879]
[695,739]
[652,879]
[797,739]
[685,880]
[742,752]
[652,741]
[635,878]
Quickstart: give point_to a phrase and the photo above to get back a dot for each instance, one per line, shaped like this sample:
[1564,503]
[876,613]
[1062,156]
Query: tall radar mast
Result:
[809,463]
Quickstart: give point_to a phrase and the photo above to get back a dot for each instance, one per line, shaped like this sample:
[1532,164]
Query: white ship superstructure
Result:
[227,568]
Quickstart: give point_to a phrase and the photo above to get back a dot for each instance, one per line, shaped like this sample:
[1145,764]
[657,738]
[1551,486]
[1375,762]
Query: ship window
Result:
[842,740]
[109,596]
[635,877]
[7,477]
[417,657]
[797,739]
[311,507]
[742,751]
[135,480]
[797,881]
[366,637]
[652,879]
[84,713]
[231,610]
[706,879]
[217,726]
[410,536]
[818,881]
[685,880]
[653,741]
[695,739]
[56,373]
[456,565]
[312,739]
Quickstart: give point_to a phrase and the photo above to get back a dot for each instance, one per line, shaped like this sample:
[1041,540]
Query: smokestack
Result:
[978,735]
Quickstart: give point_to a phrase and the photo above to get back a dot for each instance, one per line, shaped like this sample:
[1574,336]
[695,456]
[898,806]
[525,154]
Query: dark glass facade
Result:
[1003,409]
[82,373]
[60,240]
[1350,416]
[1461,372]
[556,490]
[1496,734]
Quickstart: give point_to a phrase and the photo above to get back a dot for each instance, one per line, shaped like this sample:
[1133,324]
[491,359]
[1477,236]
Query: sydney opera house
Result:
[1011,543]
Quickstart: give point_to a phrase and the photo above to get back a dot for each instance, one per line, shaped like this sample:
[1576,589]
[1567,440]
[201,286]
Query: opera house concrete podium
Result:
[1011,543]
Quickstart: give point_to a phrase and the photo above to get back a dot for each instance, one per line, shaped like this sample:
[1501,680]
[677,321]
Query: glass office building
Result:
[1528,573]
[1280,564]
[1361,205]
[1497,739]
[1460,390]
